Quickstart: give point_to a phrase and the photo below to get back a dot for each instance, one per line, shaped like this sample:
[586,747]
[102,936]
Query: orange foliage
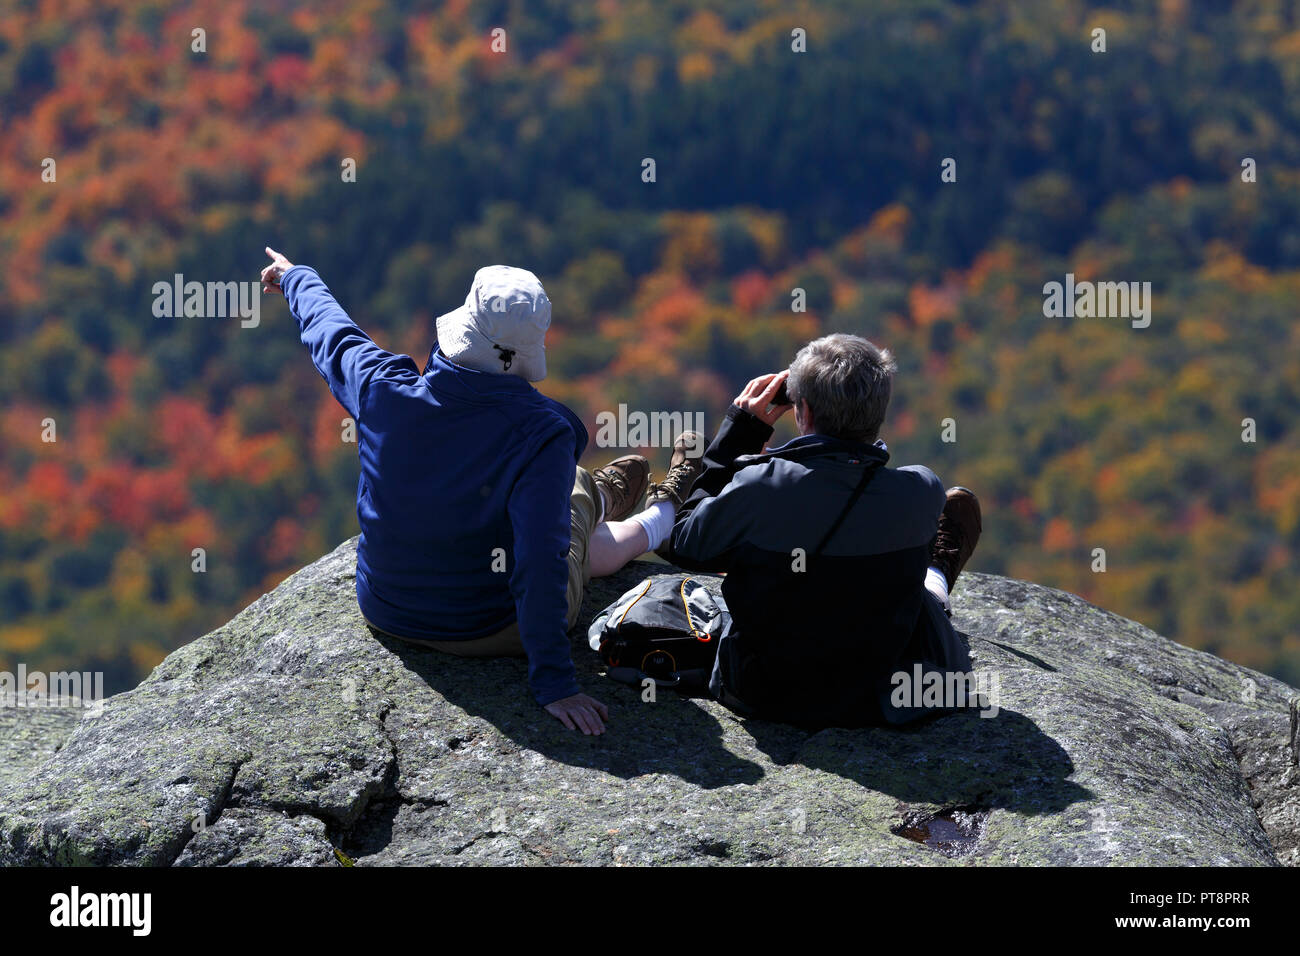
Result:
[750,290]
[928,305]
[187,433]
[1059,535]
[283,542]
[890,222]
[115,168]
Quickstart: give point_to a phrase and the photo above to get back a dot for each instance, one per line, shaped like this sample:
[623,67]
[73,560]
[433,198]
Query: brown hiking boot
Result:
[622,483]
[687,464]
[959,532]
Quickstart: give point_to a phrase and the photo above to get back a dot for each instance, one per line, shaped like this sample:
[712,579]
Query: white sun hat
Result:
[502,325]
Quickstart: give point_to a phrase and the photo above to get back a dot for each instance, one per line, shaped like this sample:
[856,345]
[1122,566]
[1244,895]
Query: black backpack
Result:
[666,629]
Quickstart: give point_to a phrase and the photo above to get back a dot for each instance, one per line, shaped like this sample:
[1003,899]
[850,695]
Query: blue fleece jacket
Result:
[461,471]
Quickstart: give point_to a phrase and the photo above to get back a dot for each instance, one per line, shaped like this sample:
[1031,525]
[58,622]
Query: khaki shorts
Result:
[583,512]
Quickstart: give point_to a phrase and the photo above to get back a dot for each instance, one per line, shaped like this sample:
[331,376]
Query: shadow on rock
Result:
[672,736]
[958,759]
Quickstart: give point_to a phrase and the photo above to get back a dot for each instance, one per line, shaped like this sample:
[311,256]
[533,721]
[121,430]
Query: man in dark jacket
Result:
[478,529]
[838,569]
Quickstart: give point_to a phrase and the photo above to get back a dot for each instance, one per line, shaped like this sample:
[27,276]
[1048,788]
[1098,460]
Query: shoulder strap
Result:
[868,472]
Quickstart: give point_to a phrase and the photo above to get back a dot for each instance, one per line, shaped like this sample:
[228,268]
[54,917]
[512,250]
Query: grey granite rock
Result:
[254,837]
[295,736]
[28,735]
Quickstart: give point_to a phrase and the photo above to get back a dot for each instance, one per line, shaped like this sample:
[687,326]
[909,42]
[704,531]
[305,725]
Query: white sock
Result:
[937,585]
[657,522]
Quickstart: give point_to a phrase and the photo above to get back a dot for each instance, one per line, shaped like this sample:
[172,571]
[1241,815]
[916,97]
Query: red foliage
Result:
[749,291]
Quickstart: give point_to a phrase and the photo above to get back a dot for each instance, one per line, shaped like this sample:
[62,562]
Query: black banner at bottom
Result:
[178,906]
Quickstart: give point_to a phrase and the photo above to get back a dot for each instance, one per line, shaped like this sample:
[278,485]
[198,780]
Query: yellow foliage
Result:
[129,580]
[695,67]
[890,222]
[768,230]
[704,30]
[145,657]
[691,246]
[1195,379]
[1224,264]
[21,638]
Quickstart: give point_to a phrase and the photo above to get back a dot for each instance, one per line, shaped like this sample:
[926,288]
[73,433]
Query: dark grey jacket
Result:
[816,639]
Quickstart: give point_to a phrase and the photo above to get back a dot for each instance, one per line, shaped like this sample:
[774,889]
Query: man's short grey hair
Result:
[846,382]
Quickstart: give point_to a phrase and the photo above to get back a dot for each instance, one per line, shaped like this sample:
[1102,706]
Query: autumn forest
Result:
[915,171]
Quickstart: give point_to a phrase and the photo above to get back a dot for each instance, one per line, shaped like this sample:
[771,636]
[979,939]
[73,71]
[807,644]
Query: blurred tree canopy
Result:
[775,171]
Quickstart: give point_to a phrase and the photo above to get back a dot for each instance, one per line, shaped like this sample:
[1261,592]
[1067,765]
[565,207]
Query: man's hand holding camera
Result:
[765,397]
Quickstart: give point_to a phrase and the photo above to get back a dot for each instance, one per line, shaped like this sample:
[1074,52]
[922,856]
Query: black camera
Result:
[782,396]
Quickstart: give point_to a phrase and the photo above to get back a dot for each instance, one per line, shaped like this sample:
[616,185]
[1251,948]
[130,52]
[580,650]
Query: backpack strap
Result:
[868,472]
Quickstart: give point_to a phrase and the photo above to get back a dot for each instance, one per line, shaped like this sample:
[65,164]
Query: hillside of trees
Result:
[775,170]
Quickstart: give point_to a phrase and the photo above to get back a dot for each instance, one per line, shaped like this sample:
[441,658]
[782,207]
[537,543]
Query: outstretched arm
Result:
[343,354]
